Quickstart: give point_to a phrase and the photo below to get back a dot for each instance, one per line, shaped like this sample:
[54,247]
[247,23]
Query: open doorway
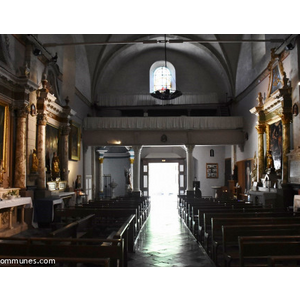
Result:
[163,181]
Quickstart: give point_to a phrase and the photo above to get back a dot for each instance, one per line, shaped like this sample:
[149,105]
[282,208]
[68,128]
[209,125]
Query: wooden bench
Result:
[246,212]
[141,214]
[104,217]
[76,229]
[255,251]
[231,233]
[86,227]
[284,261]
[29,261]
[217,223]
[64,248]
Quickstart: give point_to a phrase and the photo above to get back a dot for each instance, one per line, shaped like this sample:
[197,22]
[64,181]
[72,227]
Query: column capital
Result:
[65,129]
[261,128]
[42,119]
[286,118]
[22,109]
[189,148]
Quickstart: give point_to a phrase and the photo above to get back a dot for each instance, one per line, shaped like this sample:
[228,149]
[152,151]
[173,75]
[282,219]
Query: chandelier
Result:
[164,93]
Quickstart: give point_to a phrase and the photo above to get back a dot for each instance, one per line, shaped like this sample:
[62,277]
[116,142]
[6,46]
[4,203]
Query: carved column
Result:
[20,157]
[41,151]
[65,152]
[261,128]
[286,120]
[190,168]
[136,169]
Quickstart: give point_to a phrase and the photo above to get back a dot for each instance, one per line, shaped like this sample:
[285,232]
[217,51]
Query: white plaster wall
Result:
[115,166]
[202,155]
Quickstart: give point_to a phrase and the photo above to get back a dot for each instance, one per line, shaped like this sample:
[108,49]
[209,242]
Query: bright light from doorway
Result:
[163,179]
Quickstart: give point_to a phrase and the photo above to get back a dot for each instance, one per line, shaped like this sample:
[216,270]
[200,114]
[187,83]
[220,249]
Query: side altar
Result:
[274,115]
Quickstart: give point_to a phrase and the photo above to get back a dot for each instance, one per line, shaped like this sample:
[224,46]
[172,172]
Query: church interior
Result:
[85,117]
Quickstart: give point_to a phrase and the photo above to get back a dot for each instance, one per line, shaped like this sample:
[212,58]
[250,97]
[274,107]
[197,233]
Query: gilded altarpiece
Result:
[274,116]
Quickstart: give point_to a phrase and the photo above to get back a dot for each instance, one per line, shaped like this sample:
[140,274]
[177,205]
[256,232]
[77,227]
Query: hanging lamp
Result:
[164,93]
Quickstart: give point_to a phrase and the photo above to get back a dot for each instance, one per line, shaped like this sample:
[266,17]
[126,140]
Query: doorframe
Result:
[181,173]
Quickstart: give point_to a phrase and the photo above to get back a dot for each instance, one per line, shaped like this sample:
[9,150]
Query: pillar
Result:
[20,154]
[261,128]
[41,151]
[65,130]
[101,182]
[286,120]
[136,169]
[190,168]
[233,159]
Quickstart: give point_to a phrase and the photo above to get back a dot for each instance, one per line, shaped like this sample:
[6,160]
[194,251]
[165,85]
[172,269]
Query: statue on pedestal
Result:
[55,167]
[254,170]
[35,162]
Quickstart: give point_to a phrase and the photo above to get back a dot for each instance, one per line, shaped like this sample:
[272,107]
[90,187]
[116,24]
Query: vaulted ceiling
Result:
[206,64]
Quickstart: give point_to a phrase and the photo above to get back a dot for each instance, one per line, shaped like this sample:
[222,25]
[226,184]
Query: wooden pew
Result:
[203,224]
[86,227]
[76,229]
[33,261]
[217,223]
[255,251]
[231,233]
[64,248]
[124,204]
[103,216]
[284,261]
[246,212]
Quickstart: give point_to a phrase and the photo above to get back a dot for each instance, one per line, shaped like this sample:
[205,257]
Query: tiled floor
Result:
[165,241]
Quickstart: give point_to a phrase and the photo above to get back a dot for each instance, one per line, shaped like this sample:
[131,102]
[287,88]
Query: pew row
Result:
[86,228]
[217,223]
[65,249]
[231,234]
[255,251]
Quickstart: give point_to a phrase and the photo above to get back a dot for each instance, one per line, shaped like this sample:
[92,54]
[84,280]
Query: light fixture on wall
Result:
[165,93]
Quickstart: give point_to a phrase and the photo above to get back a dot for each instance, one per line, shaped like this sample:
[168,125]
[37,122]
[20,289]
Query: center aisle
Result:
[165,241]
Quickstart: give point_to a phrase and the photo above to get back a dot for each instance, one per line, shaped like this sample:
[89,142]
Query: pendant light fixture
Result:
[165,93]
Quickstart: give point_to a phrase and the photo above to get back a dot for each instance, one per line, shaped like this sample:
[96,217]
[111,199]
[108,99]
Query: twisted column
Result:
[20,154]
[261,128]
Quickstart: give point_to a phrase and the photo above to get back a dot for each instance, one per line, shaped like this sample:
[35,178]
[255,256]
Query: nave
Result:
[165,241]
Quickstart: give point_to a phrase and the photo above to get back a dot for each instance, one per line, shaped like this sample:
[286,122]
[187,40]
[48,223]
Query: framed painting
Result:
[212,170]
[74,141]
[275,138]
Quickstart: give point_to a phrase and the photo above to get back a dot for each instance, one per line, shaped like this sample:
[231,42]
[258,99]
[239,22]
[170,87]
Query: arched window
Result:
[162,79]
[162,76]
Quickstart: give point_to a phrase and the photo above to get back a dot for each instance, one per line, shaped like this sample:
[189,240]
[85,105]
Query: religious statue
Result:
[55,166]
[127,174]
[270,162]
[254,170]
[260,99]
[35,162]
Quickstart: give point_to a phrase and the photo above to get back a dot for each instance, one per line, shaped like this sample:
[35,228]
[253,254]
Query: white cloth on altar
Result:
[16,202]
